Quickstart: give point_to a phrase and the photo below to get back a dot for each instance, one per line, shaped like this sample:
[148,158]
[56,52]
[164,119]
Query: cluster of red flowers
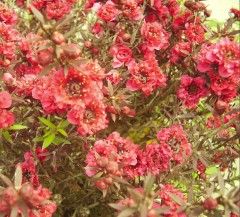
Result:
[221,63]
[120,157]
[162,199]
[6,117]
[29,197]
[54,9]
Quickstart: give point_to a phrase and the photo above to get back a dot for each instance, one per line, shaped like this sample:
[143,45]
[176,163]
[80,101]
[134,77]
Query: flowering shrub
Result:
[118,108]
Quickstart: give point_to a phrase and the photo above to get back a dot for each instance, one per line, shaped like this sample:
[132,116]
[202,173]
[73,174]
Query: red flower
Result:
[5,99]
[221,57]
[90,118]
[113,76]
[57,9]
[176,138]
[158,158]
[177,51]
[194,33]
[6,118]
[167,201]
[107,12]
[154,34]
[7,15]
[29,172]
[145,76]
[131,9]
[122,54]
[192,90]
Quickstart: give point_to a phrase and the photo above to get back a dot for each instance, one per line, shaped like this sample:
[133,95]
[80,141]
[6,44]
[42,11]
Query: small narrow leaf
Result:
[47,122]
[18,177]
[221,182]
[63,132]
[37,14]
[17,127]
[116,206]
[6,180]
[176,198]
[127,212]
[48,140]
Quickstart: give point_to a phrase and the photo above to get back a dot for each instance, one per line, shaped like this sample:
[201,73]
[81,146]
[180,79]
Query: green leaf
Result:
[63,124]
[127,212]
[58,140]
[48,140]
[37,14]
[143,210]
[63,132]
[38,139]
[7,136]
[17,127]
[148,183]
[47,122]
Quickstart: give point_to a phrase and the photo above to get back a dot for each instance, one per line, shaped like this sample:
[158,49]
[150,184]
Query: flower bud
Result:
[210,203]
[112,167]
[220,107]
[10,196]
[108,180]
[26,191]
[58,37]
[45,57]
[101,185]
[102,162]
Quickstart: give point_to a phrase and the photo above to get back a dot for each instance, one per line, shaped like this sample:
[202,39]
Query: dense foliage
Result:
[118,108]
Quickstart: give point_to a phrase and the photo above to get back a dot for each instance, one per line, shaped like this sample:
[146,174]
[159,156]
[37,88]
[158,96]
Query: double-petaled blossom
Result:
[192,89]
[167,201]
[8,39]
[154,35]
[176,138]
[6,117]
[145,76]
[221,57]
[7,15]
[122,54]
[107,12]
[90,118]
[158,158]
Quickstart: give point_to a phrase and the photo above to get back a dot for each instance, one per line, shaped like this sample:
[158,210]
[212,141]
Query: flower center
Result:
[193,89]
[89,116]
[74,87]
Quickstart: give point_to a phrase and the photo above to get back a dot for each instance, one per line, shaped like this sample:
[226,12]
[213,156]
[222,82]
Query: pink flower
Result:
[57,9]
[122,54]
[29,172]
[107,12]
[41,154]
[194,33]
[177,52]
[90,118]
[155,36]
[6,118]
[221,57]
[5,99]
[131,9]
[113,76]
[167,201]
[158,158]
[192,89]
[145,76]
[176,138]
[7,15]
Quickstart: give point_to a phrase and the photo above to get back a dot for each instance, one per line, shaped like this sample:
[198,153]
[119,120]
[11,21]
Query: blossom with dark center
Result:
[76,89]
[155,36]
[146,76]
[192,89]
[176,139]
[89,118]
